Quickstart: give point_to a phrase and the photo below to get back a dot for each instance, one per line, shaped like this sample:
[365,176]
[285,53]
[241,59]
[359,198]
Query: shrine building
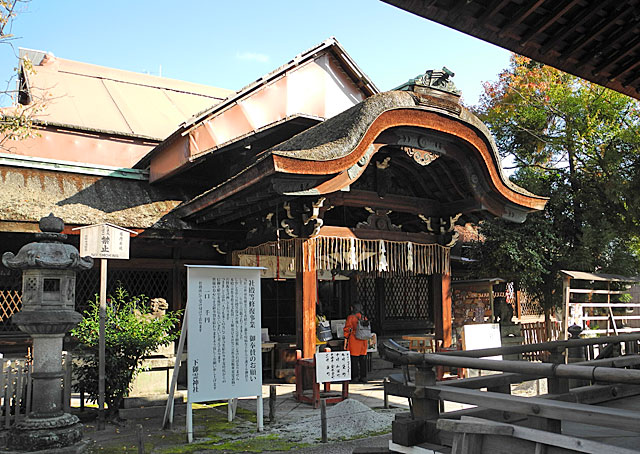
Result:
[341,192]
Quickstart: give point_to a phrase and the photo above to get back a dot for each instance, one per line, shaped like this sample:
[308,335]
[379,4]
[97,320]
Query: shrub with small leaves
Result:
[131,333]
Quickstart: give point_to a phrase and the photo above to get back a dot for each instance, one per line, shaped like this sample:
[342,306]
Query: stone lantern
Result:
[48,312]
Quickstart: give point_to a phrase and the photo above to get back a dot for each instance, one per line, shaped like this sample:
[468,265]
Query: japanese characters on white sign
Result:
[223,333]
[333,366]
[104,241]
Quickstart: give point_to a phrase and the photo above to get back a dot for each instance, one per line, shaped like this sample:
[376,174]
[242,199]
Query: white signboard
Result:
[104,241]
[223,333]
[479,336]
[333,366]
[482,335]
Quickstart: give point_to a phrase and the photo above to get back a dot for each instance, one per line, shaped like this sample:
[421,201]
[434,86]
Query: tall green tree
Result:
[578,144]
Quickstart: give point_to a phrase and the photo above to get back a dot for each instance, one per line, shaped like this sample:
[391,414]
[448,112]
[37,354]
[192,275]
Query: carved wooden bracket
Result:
[261,229]
[303,217]
[443,227]
[378,220]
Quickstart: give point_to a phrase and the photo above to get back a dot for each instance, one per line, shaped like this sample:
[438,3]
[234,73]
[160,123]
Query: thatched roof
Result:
[29,194]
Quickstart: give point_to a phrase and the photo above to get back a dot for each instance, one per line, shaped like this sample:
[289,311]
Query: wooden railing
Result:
[502,414]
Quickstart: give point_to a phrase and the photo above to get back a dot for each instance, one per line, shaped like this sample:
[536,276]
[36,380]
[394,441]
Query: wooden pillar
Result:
[566,299]
[306,294]
[442,307]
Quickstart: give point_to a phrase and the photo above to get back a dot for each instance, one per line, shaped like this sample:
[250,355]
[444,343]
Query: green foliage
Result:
[130,334]
[578,144]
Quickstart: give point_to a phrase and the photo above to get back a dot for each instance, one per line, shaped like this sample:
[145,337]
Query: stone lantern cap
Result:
[49,252]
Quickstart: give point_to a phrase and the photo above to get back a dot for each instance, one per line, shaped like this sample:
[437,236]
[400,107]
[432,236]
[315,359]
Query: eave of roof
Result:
[333,147]
[585,276]
[597,41]
[331,45]
[29,193]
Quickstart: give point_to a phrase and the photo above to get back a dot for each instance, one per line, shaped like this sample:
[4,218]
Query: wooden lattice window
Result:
[10,297]
[152,283]
[407,298]
[366,287]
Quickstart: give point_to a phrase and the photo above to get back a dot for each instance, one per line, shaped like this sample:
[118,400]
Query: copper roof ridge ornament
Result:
[435,89]
[439,80]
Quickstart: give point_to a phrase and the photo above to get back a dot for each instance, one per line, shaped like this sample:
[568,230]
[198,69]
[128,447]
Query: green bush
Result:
[131,333]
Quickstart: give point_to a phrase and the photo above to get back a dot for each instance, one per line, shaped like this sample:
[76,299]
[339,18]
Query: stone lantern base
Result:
[62,434]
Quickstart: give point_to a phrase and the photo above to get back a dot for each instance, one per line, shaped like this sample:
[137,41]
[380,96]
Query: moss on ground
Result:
[213,432]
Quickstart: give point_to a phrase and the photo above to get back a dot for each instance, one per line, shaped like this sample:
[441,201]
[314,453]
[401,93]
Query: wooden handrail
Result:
[387,347]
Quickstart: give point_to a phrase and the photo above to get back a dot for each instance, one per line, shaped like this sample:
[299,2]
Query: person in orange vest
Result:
[357,347]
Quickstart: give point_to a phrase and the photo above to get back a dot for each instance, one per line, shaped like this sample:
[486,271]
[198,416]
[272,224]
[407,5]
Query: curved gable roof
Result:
[331,156]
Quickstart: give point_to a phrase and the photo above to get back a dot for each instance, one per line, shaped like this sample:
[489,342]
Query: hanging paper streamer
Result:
[337,253]
[382,264]
[353,260]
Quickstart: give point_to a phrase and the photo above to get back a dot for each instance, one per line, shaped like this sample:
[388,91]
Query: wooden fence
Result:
[16,389]
[535,333]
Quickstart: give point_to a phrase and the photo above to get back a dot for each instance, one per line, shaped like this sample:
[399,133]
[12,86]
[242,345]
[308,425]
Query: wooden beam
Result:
[576,22]
[626,50]
[546,23]
[610,21]
[360,199]
[306,295]
[539,438]
[533,406]
[370,234]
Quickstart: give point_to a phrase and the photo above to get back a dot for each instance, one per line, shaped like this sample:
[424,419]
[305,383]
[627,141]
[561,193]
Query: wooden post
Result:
[140,437]
[272,403]
[558,385]
[306,294]
[386,395]
[519,305]
[425,408]
[323,419]
[566,299]
[491,305]
[101,342]
[442,308]
[18,399]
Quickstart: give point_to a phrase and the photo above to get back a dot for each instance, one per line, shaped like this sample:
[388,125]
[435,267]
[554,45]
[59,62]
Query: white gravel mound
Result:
[345,420]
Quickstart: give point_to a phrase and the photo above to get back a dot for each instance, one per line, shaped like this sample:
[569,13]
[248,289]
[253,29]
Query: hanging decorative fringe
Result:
[351,254]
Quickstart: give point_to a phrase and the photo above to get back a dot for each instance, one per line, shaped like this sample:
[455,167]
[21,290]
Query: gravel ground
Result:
[345,420]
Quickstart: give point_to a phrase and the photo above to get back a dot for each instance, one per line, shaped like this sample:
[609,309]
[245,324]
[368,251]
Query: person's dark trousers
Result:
[359,368]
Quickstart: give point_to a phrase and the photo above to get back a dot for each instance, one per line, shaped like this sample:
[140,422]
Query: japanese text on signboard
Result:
[224,333]
[333,366]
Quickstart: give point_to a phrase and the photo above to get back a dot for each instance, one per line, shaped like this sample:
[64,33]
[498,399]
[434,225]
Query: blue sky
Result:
[230,44]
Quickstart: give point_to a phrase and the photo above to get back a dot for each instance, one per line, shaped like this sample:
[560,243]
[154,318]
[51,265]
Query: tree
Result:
[578,144]
[16,122]
[131,332]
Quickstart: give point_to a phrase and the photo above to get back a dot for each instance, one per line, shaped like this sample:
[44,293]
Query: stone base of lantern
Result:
[62,434]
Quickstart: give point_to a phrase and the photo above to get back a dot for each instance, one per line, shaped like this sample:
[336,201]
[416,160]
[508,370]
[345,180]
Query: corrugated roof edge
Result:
[128,77]
[12,160]
[44,123]
[328,44]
